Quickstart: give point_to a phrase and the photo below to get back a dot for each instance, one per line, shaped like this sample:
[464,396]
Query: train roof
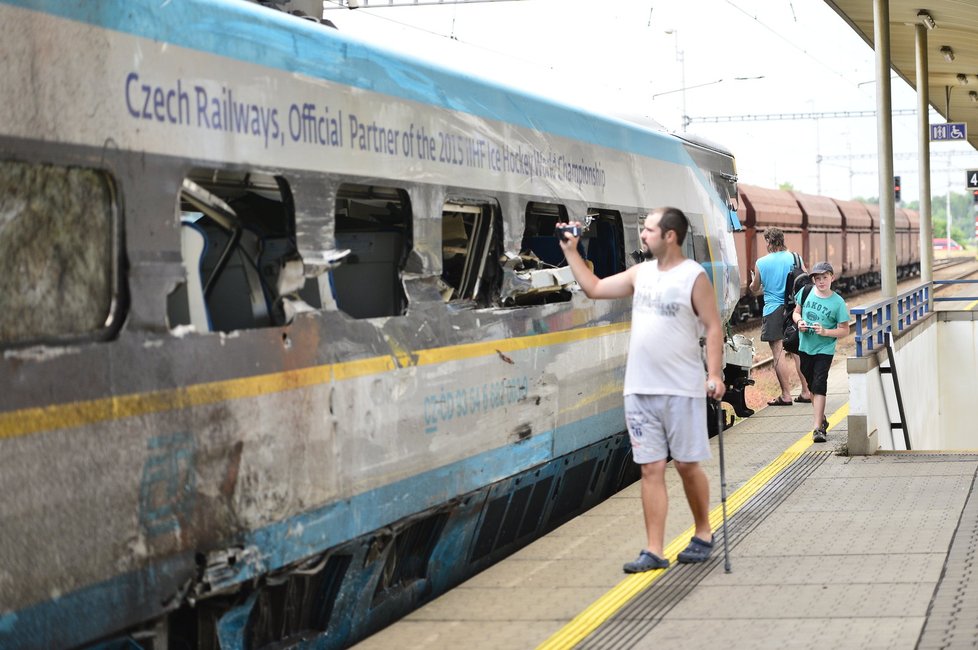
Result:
[819,211]
[855,215]
[763,208]
[232,29]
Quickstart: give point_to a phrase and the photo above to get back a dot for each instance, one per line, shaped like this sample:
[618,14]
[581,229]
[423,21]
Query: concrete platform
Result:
[826,551]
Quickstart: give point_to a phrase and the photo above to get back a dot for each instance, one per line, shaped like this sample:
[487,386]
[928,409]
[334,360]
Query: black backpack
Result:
[790,330]
[797,278]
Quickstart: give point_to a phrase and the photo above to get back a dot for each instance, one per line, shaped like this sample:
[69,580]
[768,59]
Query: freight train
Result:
[287,344]
[844,233]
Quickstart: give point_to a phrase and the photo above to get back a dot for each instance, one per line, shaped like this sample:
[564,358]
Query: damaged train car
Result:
[286,343]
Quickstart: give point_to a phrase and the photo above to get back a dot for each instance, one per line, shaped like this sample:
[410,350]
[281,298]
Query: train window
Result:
[238,243]
[604,242]
[471,245]
[541,274]
[696,246]
[59,269]
[374,224]
[726,186]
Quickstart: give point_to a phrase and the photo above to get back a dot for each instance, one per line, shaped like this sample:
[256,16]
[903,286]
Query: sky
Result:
[634,57]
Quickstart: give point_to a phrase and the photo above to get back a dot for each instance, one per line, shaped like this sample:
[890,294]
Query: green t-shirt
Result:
[829,312]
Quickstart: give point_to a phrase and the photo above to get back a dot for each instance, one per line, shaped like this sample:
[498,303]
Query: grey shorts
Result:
[772,325]
[667,425]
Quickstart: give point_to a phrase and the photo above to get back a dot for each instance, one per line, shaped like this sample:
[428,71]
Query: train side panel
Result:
[179,471]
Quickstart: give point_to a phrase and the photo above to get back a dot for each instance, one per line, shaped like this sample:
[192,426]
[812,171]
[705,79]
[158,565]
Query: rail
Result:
[873,320]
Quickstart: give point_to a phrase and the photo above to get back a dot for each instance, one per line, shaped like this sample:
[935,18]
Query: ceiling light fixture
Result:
[947,53]
[927,21]
[973,95]
[963,79]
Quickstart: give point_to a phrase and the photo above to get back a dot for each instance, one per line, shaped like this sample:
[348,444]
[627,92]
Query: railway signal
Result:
[896,189]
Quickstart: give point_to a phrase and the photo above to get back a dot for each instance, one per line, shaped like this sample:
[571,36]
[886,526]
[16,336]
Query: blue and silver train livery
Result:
[287,346]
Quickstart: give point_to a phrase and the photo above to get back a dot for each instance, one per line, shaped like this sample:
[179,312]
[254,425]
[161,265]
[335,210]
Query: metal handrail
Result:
[873,320]
[949,298]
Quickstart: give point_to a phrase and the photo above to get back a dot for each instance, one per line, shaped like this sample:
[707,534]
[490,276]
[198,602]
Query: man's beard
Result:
[643,255]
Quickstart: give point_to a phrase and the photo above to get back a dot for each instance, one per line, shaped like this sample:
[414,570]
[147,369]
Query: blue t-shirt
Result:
[829,312]
[774,268]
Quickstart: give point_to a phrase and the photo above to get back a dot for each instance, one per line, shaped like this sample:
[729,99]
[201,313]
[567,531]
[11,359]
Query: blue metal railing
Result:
[873,321]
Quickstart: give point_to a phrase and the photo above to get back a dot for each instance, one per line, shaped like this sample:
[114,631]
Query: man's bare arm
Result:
[704,303]
[755,280]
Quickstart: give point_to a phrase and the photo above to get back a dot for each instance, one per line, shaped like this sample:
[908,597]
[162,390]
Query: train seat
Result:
[237,298]
[193,248]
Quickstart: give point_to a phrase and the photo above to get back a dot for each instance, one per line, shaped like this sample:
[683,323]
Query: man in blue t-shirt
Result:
[822,320]
[771,272]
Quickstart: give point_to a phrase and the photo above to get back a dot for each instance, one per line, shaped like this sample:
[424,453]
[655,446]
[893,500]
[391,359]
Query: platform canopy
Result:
[955,26]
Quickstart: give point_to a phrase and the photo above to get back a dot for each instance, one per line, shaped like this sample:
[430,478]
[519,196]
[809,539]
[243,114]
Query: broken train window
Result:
[243,270]
[604,242]
[471,246]
[59,253]
[541,274]
[374,224]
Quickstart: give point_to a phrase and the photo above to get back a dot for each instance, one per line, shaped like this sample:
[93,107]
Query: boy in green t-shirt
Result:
[821,320]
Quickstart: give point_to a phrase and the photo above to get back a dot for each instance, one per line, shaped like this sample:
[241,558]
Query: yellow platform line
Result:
[604,607]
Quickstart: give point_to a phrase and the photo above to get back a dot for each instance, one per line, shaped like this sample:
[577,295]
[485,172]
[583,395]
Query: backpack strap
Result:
[805,293]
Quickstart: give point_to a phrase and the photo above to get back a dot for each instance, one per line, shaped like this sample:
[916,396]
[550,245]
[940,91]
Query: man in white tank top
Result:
[665,388]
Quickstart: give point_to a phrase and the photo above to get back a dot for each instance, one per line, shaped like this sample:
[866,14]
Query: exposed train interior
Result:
[244,271]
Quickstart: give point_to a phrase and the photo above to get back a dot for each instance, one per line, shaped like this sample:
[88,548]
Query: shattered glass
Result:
[56,252]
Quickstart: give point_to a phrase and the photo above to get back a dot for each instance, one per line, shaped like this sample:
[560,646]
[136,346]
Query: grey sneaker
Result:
[819,435]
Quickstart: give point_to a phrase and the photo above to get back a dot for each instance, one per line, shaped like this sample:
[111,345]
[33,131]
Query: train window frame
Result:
[375,239]
[726,187]
[94,306]
[478,242]
[242,267]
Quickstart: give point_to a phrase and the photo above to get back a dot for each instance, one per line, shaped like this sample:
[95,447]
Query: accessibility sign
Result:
[949,131]
[973,179]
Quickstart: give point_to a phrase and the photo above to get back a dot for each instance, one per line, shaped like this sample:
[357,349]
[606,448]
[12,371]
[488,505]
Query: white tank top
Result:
[664,353]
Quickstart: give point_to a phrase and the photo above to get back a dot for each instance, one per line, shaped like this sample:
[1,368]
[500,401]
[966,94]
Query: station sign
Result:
[972,179]
[949,131]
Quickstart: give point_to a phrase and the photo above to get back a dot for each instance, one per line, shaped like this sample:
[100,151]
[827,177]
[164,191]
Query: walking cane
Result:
[723,481]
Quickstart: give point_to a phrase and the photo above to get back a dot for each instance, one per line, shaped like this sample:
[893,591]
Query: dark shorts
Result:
[815,367]
[772,325]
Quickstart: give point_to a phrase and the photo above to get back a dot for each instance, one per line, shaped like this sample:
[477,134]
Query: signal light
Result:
[896,189]
[974,196]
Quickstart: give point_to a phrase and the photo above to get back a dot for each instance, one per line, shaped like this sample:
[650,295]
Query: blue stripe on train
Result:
[249,33]
[124,600]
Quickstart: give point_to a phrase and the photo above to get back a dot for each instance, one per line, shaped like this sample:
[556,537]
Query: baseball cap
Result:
[821,267]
